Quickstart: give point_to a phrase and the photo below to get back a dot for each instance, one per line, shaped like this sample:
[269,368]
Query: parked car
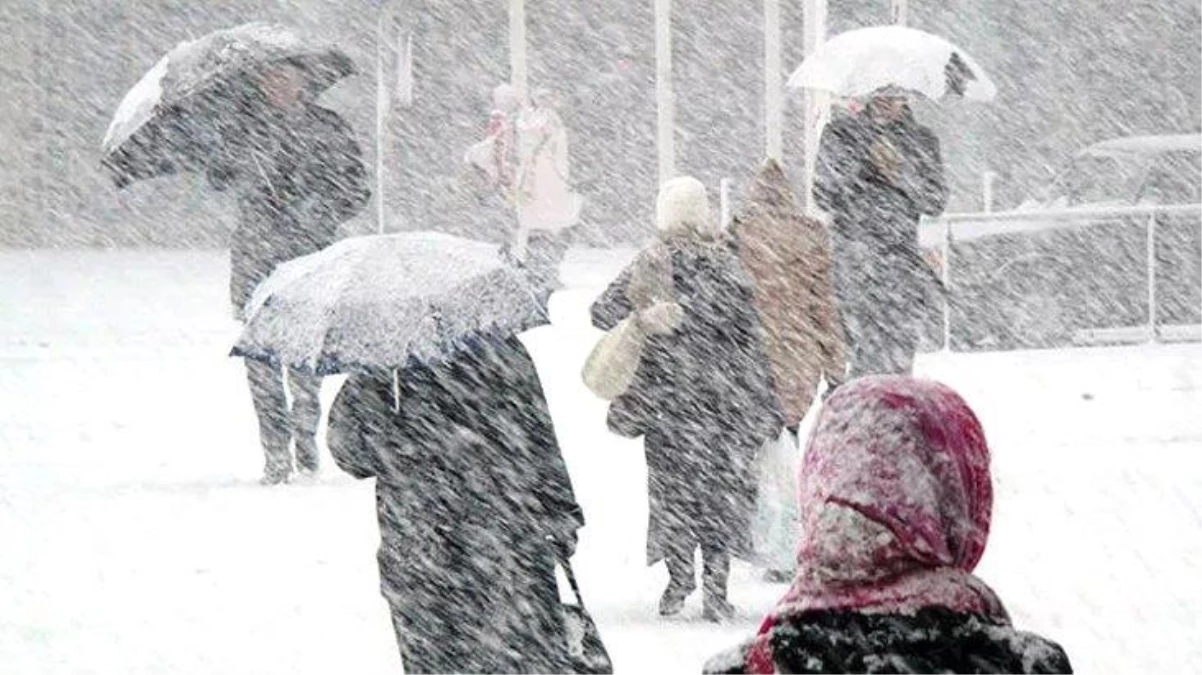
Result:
[1071,266]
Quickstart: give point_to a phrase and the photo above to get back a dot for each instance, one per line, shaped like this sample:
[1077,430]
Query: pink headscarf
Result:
[895,505]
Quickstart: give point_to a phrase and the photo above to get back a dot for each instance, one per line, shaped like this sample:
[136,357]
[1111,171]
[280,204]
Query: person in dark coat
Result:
[702,396]
[475,506]
[298,174]
[878,172]
[896,500]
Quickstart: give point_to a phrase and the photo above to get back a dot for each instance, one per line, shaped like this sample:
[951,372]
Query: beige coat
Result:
[789,259]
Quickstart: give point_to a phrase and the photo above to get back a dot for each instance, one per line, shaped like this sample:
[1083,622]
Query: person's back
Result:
[474,505]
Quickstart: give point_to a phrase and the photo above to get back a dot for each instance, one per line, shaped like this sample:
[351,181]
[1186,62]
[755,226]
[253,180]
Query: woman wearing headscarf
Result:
[896,498]
[701,395]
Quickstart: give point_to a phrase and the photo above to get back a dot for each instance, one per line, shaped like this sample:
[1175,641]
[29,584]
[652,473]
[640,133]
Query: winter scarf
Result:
[895,498]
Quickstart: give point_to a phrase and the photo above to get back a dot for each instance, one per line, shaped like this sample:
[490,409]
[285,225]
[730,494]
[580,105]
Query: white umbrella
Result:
[387,301]
[859,62]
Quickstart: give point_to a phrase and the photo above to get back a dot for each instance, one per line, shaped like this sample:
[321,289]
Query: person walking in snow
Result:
[701,395]
[298,174]
[896,497]
[878,172]
[475,507]
[788,257]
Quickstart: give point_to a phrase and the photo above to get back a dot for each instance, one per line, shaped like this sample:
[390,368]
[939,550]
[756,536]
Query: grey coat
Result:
[881,281]
[473,498]
[703,397]
[297,178]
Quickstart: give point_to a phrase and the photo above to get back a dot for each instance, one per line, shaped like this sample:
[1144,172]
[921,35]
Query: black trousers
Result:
[278,423]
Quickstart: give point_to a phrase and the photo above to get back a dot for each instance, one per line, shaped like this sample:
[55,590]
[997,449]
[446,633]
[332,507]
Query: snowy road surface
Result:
[136,540]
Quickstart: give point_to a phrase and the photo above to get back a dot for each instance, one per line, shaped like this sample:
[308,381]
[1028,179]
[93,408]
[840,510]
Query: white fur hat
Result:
[683,207]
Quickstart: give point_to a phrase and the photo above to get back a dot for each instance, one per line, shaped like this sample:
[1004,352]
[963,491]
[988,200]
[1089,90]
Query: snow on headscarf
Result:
[896,499]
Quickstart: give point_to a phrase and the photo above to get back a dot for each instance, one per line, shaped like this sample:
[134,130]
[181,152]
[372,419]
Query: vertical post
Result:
[724,202]
[773,94]
[517,46]
[816,104]
[946,273]
[1152,337]
[381,115]
[404,82]
[900,10]
[518,78]
[987,178]
[665,104]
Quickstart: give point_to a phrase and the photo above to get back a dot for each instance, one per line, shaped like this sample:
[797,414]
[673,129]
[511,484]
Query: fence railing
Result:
[941,231]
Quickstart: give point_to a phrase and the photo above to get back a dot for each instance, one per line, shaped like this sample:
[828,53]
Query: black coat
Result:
[881,281]
[933,640]
[470,484]
[703,398]
[297,178]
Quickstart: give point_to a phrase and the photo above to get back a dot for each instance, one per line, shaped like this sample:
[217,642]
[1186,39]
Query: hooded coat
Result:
[297,175]
[473,500]
[702,394]
[896,502]
[788,257]
[876,181]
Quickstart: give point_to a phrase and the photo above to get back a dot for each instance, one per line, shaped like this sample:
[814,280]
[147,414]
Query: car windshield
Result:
[1175,178]
[1098,179]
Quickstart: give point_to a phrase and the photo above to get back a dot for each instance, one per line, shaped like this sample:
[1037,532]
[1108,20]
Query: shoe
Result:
[717,610]
[672,601]
[275,475]
[306,476]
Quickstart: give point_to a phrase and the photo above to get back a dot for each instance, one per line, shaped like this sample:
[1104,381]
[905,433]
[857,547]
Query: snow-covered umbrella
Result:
[387,301]
[861,61]
[172,119]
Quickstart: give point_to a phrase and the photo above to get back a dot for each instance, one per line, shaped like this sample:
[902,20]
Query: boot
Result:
[307,461]
[681,583]
[715,573]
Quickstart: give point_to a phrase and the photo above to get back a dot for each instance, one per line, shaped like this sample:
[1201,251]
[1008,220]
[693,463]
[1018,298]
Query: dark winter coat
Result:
[882,283]
[297,177]
[933,640]
[702,396]
[470,484]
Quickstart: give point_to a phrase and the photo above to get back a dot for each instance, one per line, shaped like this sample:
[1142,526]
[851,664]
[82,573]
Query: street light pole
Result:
[773,94]
[665,105]
[816,105]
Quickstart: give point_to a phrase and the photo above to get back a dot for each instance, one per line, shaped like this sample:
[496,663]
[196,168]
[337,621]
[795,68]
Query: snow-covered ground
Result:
[134,538]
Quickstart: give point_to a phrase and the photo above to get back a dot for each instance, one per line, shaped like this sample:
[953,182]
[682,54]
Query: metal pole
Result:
[381,116]
[816,104]
[665,104]
[900,11]
[1152,278]
[724,201]
[517,46]
[947,285]
[773,93]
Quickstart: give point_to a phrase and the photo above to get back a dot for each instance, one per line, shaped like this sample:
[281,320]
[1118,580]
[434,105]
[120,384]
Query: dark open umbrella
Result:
[178,114]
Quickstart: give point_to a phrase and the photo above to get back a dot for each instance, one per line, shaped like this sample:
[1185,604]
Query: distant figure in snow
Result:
[789,259]
[878,172]
[474,503]
[701,395]
[298,174]
[896,498]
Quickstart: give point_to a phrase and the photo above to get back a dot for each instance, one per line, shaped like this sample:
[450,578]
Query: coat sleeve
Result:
[349,435]
[829,328]
[924,182]
[553,487]
[613,305]
[832,170]
[339,177]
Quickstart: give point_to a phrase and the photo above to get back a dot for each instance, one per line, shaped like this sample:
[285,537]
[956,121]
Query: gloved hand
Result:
[564,544]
